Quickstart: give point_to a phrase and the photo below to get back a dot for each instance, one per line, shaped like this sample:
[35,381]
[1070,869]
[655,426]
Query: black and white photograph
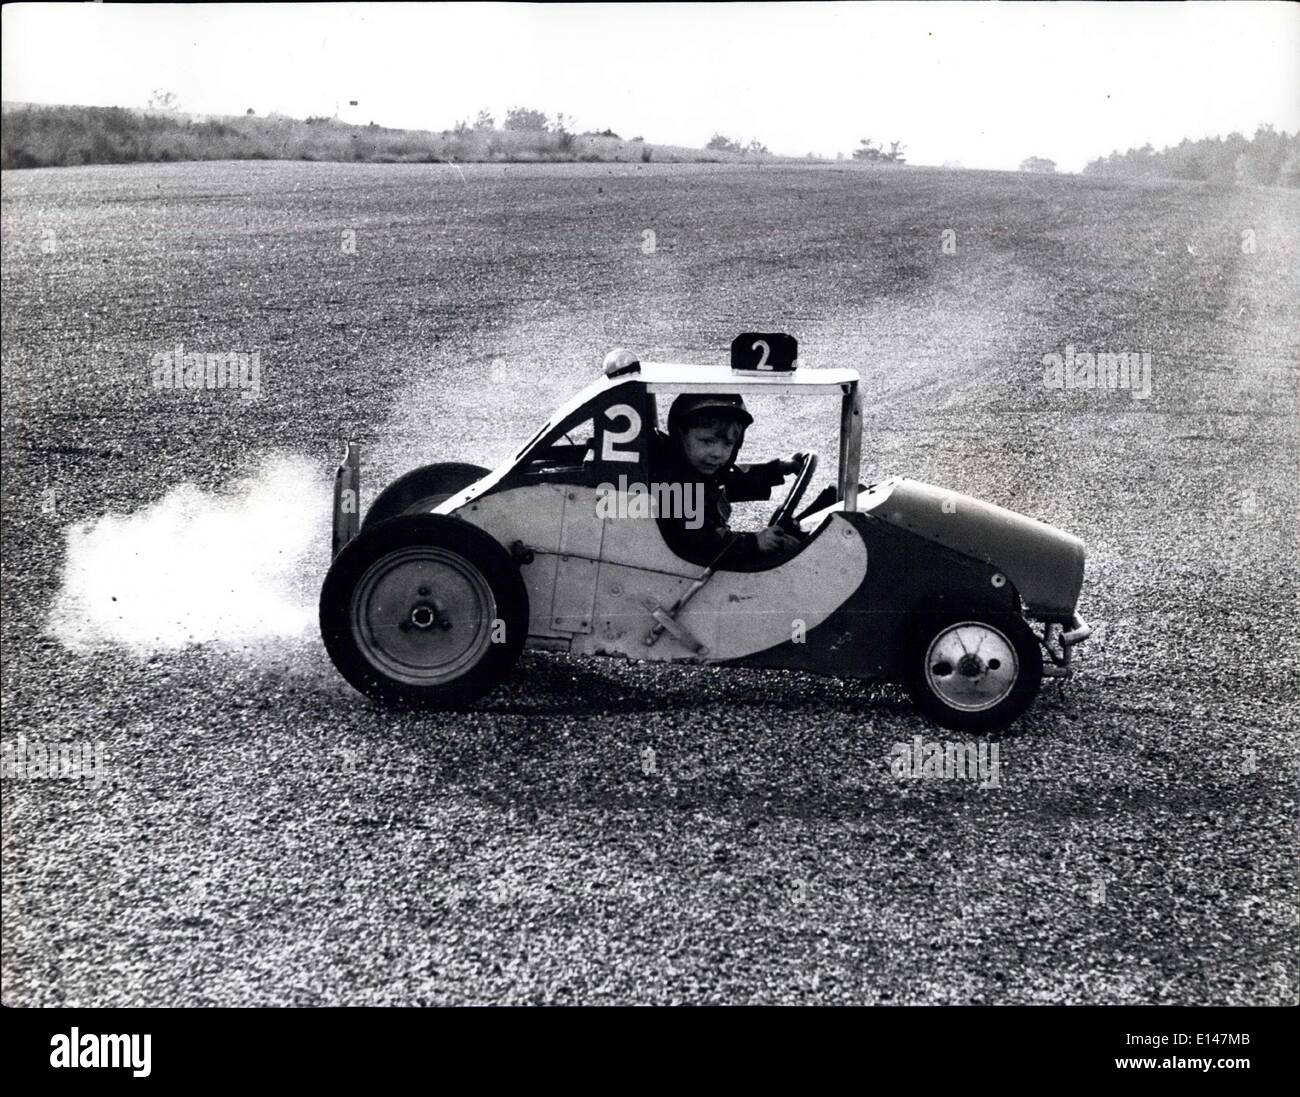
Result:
[602,505]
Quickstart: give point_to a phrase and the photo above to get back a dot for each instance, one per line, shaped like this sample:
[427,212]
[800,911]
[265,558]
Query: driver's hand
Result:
[791,464]
[775,539]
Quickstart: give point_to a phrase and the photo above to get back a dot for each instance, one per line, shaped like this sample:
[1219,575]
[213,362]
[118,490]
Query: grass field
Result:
[270,837]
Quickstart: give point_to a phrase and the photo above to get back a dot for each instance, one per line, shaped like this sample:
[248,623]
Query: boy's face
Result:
[709,445]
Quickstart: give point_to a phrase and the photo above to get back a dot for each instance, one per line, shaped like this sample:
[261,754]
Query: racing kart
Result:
[456,568]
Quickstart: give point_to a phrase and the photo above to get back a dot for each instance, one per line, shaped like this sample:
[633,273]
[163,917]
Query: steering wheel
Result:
[782,514]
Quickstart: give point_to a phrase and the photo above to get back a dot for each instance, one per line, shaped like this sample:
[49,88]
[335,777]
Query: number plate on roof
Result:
[765,351]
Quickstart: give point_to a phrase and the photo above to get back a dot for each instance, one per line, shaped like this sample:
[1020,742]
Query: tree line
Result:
[1269,158]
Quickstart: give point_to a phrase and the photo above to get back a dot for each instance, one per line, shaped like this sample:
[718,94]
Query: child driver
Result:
[705,433]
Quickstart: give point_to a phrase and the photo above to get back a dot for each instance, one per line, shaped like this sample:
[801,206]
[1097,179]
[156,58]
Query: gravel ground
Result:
[601,832]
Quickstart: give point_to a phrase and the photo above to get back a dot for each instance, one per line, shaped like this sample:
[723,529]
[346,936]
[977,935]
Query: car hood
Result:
[1045,564]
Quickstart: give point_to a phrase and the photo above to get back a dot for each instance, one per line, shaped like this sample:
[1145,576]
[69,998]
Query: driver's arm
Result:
[748,483]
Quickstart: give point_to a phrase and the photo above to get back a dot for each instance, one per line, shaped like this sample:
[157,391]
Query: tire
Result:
[422,489]
[424,611]
[957,668]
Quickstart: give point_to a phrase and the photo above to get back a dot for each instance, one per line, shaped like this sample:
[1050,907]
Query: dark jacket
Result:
[734,484]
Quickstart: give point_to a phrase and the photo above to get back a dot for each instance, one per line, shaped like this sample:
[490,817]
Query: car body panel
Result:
[595,581]
[737,613]
[867,634]
[1044,563]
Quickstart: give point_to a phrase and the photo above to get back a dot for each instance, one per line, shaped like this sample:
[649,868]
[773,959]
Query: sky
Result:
[981,84]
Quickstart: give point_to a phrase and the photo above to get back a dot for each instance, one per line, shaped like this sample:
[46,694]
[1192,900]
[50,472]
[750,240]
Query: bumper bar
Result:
[1080,630]
[1059,665]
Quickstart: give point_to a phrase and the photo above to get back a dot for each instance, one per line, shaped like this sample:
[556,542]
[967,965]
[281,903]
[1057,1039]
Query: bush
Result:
[525,120]
[1038,164]
[560,130]
[872,152]
[1288,174]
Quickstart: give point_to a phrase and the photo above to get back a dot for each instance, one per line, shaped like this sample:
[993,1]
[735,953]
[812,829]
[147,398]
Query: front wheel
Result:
[975,671]
[425,611]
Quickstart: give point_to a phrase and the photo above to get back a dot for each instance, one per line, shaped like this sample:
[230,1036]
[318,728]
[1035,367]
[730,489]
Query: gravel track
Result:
[600,832]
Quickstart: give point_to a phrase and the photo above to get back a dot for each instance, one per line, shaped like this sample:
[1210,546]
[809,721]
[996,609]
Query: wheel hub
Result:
[971,666]
[409,634]
[425,616]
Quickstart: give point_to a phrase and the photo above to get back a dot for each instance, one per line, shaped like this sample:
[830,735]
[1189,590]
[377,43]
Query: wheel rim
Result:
[971,666]
[423,616]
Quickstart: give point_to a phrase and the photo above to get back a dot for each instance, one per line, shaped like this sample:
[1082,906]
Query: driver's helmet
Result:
[691,405]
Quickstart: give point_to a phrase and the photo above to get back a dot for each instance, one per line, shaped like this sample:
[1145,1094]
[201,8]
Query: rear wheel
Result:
[425,611]
[422,489]
[975,671]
